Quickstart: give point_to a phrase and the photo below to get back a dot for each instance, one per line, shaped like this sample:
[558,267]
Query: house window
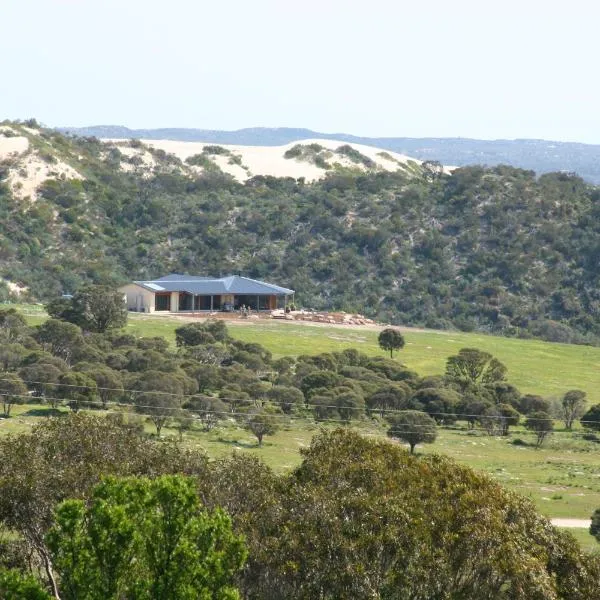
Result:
[162,302]
[203,303]
[185,301]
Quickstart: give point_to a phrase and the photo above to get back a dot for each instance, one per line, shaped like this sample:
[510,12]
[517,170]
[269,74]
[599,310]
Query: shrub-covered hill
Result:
[495,249]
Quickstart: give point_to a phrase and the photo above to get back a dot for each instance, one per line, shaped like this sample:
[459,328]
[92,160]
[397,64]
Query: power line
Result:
[287,418]
[458,416]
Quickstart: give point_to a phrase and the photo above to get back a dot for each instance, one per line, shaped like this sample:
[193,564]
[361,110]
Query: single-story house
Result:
[186,293]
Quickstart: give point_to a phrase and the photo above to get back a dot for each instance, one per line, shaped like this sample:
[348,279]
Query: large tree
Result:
[95,308]
[263,421]
[160,397]
[472,367]
[390,339]
[60,338]
[413,427]
[390,520]
[145,538]
[573,406]
[541,424]
[64,458]
[12,391]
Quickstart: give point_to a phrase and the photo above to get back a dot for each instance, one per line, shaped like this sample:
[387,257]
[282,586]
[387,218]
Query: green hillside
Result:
[491,250]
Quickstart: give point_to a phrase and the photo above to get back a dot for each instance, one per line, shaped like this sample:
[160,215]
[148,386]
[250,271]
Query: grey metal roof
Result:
[207,286]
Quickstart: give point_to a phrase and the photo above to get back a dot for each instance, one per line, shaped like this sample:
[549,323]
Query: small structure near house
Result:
[189,294]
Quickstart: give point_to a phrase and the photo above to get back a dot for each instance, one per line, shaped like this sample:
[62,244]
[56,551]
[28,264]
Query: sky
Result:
[426,68]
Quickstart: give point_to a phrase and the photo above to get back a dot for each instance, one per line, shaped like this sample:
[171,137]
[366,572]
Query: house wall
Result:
[138,298]
[174,301]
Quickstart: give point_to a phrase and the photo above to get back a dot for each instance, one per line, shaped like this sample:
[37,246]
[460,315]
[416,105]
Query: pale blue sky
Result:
[482,69]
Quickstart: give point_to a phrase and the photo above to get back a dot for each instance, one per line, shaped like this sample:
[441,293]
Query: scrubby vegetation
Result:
[486,249]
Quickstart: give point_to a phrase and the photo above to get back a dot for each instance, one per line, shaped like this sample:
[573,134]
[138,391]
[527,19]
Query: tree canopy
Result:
[142,538]
[413,427]
[391,339]
[95,308]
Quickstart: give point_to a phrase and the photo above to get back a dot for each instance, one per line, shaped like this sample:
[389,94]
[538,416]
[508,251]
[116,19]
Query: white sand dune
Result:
[13,146]
[28,169]
[270,160]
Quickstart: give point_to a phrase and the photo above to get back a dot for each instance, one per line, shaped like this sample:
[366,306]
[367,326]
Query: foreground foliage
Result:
[358,518]
[144,539]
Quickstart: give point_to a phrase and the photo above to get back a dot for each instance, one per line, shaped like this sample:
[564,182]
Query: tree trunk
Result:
[412,448]
[259,437]
[391,353]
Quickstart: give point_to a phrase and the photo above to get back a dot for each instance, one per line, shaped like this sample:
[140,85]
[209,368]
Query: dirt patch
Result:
[572,523]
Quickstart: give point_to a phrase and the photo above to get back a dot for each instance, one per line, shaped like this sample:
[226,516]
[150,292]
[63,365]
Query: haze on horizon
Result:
[382,68]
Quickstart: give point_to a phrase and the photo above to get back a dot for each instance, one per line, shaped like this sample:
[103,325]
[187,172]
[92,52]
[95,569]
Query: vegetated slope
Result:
[542,156]
[488,249]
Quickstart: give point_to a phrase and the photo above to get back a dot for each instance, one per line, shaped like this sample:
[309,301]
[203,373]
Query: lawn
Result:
[534,366]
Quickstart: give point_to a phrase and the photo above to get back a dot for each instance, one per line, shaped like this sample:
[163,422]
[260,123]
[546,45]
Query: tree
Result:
[59,338]
[42,379]
[12,391]
[591,419]
[533,403]
[263,421]
[13,326]
[64,458]
[472,367]
[391,519]
[17,586]
[438,403]
[541,424]
[318,380]
[193,334]
[573,404]
[95,308]
[389,397]
[413,427]
[209,410]
[508,417]
[286,397]
[145,538]
[350,405]
[390,339]
[160,397]
[108,381]
[595,525]
[324,407]
[78,389]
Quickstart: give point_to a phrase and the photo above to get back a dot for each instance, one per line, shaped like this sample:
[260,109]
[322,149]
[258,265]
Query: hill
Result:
[490,249]
[542,156]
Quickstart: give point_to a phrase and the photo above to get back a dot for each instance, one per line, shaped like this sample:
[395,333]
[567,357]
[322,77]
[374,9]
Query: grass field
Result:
[562,478]
[533,366]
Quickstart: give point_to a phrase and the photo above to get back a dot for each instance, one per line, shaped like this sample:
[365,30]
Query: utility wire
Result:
[228,414]
[277,402]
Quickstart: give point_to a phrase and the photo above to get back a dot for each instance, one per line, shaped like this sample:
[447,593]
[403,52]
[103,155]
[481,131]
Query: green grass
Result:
[533,366]
[586,541]
[562,477]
